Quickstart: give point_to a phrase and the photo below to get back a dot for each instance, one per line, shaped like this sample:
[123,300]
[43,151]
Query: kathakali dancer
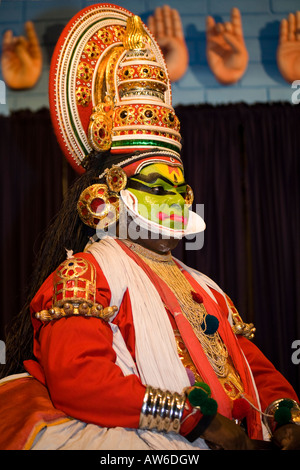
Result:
[131,348]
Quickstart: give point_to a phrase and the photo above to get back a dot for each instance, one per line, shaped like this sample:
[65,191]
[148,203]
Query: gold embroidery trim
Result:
[80,309]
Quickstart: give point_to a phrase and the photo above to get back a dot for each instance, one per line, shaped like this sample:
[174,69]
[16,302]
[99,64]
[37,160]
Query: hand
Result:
[222,433]
[287,437]
[166,27]
[288,51]
[21,59]
[226,52]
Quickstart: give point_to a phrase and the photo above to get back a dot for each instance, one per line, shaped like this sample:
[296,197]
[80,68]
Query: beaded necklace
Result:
[164,266]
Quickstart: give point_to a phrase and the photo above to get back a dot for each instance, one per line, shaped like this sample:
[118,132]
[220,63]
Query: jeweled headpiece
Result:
[109,87]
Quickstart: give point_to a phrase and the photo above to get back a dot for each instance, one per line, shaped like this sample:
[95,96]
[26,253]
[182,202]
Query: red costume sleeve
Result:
[270,383]
[76,361]
[83,380]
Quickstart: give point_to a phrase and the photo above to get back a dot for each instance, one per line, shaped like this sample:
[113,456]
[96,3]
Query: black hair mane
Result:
[67,232]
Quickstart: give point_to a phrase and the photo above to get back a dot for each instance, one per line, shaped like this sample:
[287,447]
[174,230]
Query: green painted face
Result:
[160,190]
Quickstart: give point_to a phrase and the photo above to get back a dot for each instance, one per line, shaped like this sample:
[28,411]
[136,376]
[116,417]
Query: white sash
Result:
[157,359]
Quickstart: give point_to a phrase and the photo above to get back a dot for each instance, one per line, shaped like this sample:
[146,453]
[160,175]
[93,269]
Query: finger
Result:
[159,23]
[33,42]
[210,25]
[297,25]
[22,50]
[31,34]
[233,41]
[220,28]
[7,39]
[236,21]
[177,24]
[167,20]
[228,27]
[291,27]
[151,25]
[283,31]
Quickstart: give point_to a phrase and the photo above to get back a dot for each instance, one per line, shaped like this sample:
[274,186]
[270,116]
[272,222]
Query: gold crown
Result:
[110,88]
[130,91]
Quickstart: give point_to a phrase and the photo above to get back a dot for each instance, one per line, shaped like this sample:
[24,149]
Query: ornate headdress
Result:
[109,88]
[110,93]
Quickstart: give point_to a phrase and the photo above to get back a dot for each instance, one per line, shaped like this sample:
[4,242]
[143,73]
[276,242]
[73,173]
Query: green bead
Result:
[204,386]
[197,397]
[209,407]
[286,404]
[282,415]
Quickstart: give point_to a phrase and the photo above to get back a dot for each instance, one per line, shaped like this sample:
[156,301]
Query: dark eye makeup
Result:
[156,190]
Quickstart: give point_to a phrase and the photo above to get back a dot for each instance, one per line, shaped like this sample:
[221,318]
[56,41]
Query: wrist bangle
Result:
[281,412]
[161,410]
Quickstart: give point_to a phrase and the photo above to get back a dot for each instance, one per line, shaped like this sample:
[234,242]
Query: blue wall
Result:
[262,81]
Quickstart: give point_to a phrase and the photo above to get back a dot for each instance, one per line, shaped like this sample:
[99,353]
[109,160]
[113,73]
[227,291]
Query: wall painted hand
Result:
[166,27]
[21,59]
[226,51]
[288,51]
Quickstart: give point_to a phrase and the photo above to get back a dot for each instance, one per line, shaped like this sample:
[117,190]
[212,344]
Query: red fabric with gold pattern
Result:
[74,279]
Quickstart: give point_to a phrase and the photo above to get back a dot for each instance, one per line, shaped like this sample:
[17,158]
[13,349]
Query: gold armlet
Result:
[245,329]
[162,410]
[72,309]
[239,327]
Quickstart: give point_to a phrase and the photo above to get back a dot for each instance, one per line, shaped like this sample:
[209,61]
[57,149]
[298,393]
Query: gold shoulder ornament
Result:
[239,327]
[74,293]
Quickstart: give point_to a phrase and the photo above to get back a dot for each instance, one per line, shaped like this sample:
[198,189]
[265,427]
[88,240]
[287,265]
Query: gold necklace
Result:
[152,255]
[165,267]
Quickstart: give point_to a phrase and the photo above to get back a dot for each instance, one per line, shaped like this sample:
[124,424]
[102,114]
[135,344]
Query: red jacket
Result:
[76,361]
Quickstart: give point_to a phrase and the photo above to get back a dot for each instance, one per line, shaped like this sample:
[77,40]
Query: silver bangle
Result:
[268,416]
[161,410]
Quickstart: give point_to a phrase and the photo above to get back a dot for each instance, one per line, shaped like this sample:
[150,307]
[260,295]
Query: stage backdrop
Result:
[243,165]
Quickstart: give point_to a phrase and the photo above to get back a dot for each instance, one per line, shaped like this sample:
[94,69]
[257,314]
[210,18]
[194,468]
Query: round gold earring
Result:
[98,207]
[189,197]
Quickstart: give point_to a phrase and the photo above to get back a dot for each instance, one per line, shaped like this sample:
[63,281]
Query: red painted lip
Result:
[176,218]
